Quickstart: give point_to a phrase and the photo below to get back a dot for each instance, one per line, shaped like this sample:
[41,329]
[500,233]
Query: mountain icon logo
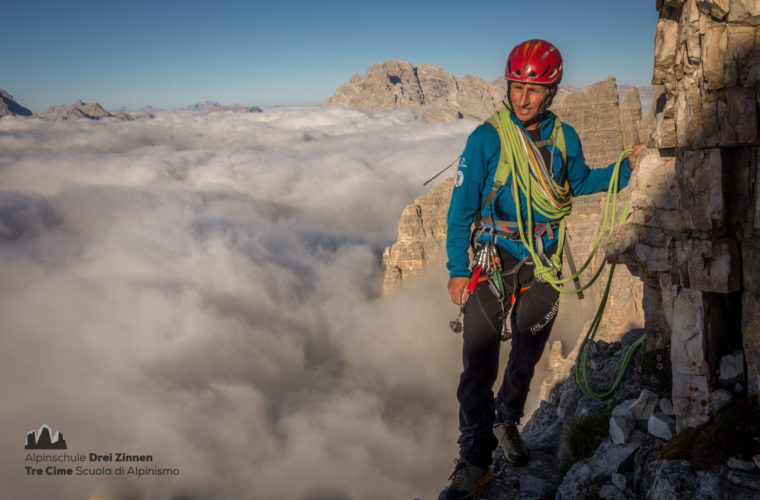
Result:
[44,439]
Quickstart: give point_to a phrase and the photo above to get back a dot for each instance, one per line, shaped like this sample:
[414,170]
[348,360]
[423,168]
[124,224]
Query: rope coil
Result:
[529,181]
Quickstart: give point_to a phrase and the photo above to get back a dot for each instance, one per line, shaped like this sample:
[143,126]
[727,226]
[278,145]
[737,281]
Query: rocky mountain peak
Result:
[215,107]
[79,110]
[9,106]
[434,94]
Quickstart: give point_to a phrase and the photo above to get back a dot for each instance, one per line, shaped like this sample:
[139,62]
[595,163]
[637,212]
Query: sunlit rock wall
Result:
[695,230]
[434,94]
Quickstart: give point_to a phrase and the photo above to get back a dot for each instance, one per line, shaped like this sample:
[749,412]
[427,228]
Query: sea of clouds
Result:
[206,289]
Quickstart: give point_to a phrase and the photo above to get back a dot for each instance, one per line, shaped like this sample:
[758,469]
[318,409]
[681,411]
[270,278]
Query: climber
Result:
[504,299]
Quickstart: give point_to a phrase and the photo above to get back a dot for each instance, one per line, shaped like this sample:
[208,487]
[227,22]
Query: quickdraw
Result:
[487,268]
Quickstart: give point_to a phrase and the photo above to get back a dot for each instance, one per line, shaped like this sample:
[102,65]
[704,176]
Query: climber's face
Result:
[527,99]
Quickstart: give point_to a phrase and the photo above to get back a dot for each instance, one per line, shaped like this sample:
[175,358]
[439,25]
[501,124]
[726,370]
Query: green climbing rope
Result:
[581,362]
[584,353]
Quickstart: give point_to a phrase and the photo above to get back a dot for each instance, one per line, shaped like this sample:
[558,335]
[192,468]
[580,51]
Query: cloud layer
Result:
[205,289]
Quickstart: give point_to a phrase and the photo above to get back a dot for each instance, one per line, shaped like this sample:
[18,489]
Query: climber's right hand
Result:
[458,289]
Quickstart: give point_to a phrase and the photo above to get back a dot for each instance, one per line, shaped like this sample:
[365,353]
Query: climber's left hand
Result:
[634,156]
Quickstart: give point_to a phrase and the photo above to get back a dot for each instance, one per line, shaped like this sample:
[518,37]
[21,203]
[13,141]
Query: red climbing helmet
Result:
[534,61]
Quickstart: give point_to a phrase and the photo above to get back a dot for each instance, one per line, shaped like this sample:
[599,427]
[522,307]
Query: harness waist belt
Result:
[509,229]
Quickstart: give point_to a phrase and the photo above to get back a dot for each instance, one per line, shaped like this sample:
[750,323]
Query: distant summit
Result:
[9,106]
[434,94]
[202,106]
[79,110]
[215,107]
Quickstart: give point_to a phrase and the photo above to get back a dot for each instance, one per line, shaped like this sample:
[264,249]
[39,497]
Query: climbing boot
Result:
[466,480]
[511,443]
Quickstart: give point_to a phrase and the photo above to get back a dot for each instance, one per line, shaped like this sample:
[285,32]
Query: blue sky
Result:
[175,53]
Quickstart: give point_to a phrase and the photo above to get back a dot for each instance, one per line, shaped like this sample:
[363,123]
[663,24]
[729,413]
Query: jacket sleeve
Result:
[585,180]
[465,202]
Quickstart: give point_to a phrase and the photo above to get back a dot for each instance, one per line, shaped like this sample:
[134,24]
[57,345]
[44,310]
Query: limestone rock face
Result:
[9,107]
[558,368]
[94,110]
[421,237]
[595,115]
[630,118]
[646,124]
[709,65]
[431,92]
[694,233]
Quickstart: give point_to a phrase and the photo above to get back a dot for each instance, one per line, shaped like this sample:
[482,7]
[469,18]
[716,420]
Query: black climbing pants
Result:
[533,315]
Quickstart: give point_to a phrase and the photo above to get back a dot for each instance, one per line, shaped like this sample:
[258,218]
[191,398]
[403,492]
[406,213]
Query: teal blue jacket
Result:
[474,180]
